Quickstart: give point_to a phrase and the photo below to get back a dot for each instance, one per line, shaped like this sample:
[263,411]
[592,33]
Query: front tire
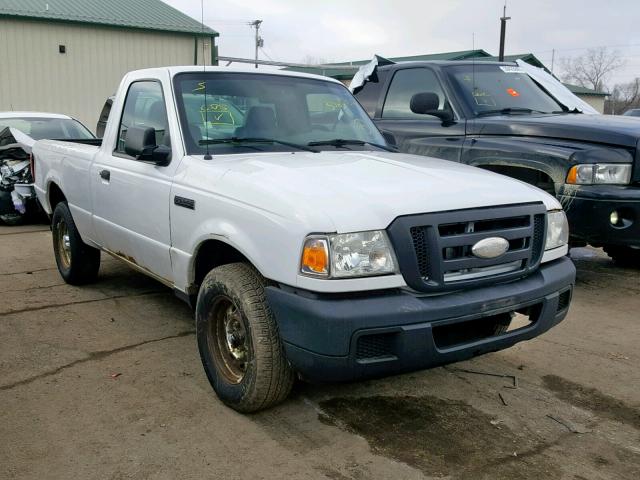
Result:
[623,256]
[78,263]
[239,341]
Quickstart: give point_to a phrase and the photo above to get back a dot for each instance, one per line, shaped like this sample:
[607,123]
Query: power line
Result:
[627,45]
[267,55]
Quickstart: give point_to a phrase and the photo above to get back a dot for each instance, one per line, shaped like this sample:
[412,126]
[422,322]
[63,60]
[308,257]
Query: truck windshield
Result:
[40,128]
[500,89]
[292,110]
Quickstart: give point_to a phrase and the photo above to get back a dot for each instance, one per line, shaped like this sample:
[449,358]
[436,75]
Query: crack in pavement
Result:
[91,357]
[79,302]
[28,272]
[24,290]
[24,233]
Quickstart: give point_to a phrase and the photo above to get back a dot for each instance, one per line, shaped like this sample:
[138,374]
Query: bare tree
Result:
[624,96]
[592,69]
[314,60]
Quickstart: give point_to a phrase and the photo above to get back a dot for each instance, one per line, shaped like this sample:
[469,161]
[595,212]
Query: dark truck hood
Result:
[603,129]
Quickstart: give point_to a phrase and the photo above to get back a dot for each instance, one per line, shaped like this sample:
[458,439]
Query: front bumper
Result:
[323,334]
[589,208]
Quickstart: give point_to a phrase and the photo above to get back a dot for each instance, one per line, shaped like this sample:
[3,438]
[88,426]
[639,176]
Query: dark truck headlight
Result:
[600,174]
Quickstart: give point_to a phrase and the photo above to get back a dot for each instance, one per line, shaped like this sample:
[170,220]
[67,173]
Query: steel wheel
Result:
[63,243]
[238,339]
[228,340]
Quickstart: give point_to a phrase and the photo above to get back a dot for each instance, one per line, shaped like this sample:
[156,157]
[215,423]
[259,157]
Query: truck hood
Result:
[352,191]
[604,129]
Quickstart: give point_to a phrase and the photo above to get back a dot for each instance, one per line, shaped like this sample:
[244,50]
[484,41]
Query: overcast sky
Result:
[342,30]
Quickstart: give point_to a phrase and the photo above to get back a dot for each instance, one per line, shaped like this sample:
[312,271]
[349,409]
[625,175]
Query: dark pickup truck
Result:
[495,116]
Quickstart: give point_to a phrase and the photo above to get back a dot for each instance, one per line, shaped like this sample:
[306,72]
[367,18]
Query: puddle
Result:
[440,437]
[591,399]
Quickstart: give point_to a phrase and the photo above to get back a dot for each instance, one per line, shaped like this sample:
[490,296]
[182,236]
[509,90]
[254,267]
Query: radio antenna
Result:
[473,65]
[207,155]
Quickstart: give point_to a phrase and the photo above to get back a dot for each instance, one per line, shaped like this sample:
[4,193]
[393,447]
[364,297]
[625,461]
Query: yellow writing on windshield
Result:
[217,114]
[333,105]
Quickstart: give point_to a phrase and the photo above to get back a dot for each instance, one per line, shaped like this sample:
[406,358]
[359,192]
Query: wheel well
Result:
[528,175]
[212,254]
[55,196]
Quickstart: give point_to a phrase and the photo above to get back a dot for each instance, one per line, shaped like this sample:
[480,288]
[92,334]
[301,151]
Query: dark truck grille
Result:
[434,250]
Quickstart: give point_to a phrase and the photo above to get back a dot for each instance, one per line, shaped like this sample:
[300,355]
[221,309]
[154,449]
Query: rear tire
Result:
[239,341]
[624,256]
[78,263]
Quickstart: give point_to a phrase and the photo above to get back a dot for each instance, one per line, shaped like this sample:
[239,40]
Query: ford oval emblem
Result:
[491,247]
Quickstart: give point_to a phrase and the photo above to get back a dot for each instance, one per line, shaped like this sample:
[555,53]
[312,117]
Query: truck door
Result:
[131,198]
[419,133]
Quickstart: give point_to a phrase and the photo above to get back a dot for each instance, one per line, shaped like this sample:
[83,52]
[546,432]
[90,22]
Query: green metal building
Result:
[68,56]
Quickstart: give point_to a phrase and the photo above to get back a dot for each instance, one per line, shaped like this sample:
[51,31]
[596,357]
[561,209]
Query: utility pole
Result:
[553,58]
[503,28]
[259,40]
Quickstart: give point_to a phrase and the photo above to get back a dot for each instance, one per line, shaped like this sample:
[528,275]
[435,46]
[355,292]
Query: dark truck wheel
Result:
[238,339]
[624,256]
[78,263]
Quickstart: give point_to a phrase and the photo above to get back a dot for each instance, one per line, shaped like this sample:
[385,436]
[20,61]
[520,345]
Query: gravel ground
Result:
[104,382]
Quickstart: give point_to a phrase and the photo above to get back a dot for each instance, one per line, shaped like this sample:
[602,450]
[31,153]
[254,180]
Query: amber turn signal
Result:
[315,257]
[572,176]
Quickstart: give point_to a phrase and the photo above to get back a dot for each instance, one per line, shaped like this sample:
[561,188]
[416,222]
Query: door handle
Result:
[105,175]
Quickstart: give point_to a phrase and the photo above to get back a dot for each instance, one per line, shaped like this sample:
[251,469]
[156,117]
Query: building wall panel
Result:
[35,76]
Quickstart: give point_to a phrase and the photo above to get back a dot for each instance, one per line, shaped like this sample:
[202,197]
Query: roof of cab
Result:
[443,63]
[33,115]
[174,70]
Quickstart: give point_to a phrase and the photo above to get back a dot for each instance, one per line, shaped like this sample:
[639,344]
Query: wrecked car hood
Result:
[358,190]
[15,174]
[603,129]
[15,148]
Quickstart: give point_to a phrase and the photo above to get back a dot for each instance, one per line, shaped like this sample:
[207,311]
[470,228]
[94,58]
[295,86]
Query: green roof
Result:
[138,14]
[342,74]
[584,90]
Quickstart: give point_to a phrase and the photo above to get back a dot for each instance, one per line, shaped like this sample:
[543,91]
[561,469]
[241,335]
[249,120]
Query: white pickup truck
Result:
[271,203]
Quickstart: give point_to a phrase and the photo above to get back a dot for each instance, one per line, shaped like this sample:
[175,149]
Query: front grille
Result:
[418,234]
[437,255]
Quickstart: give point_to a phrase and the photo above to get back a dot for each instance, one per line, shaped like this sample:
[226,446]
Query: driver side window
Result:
[404,85]
[144,107]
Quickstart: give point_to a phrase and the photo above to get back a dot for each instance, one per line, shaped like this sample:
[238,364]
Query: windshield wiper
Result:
[508,111]
[341,142]
[240,140]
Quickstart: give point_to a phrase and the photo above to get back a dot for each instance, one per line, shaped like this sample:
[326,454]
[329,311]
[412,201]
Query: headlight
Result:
[557,230]
[348,255]
[600,173]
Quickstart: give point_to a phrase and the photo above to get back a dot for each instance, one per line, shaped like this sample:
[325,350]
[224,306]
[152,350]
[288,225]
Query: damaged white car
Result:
[18,133]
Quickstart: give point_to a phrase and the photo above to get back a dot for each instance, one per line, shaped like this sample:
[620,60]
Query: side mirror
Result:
[390,139]
[140,142]
[427,103]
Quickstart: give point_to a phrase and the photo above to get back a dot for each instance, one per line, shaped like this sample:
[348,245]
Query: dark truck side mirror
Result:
[389,137]
[140,142]
[427,103]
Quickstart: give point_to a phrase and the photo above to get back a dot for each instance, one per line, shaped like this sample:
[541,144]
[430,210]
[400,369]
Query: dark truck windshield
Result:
[40,128]
[240,107]
[490,88]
